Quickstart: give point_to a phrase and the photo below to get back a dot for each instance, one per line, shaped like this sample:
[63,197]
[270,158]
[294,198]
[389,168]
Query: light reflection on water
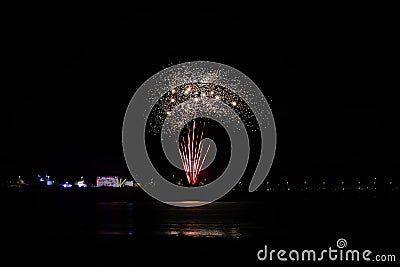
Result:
[216,220]
[195,231]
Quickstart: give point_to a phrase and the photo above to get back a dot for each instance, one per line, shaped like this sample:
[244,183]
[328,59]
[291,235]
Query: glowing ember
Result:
[191,151]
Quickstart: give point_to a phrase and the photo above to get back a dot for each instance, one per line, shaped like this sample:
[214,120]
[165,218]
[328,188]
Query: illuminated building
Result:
[108,181]
[128,184]
[131,184]
[66,185]
[81,184]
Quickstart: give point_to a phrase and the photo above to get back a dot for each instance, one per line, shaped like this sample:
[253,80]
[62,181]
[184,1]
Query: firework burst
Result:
[163,143]
[177,109]
[211,94]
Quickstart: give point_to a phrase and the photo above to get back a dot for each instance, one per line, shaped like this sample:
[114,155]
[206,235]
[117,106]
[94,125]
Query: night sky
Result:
[70,72]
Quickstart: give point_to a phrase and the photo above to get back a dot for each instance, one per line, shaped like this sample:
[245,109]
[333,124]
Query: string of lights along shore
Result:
[362,184]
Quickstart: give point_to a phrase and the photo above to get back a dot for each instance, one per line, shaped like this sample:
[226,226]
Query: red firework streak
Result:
[191,152]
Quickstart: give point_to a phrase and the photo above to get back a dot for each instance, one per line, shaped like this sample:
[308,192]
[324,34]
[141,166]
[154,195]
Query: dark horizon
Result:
[71,72]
